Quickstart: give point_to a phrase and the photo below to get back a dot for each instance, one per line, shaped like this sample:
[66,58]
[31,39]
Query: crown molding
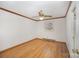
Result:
[68,8]
[1,8]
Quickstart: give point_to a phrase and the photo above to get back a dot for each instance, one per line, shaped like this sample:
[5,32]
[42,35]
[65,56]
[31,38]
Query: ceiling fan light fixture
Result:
[41,18]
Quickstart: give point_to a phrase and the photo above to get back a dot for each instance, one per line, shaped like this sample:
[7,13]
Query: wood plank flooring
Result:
[37,48]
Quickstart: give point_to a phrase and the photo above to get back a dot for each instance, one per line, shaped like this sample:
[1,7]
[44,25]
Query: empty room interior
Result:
[39,29]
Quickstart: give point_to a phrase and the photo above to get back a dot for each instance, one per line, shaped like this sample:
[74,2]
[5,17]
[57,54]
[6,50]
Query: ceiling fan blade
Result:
[47,16]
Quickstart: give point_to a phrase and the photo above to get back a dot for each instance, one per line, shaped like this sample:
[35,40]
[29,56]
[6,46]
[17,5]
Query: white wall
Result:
[77,23]
[70,22]
[77,26]
[15,30]
[69,26]
[58,33]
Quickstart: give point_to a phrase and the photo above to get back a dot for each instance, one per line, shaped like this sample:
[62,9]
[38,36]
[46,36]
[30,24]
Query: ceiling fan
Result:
[42,16]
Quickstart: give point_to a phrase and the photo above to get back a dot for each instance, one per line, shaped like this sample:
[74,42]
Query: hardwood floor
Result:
[38,48]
